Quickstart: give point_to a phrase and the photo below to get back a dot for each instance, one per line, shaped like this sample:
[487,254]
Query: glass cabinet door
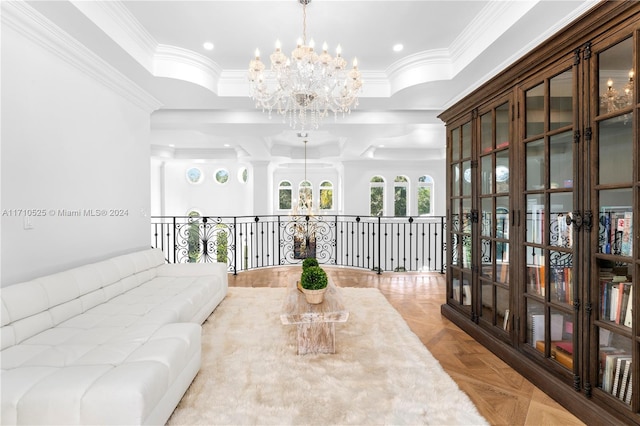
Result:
[548,201]
[615,193]
[494,208]
[461,180]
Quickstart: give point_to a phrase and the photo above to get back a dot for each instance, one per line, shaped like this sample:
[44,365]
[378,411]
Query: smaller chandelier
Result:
[306,86]
[302,219]
[612,99]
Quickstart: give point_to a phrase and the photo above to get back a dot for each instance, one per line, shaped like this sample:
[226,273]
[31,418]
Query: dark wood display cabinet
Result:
[543,190]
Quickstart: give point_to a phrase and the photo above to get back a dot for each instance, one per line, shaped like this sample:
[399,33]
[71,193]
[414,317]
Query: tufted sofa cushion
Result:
[114,342]
[122,381]
[34,306]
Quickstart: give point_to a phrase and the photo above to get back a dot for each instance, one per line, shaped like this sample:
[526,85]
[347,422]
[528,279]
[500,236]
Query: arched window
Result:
[400,186]
[284,195]
[376,196]
[305,192]
[425,194]
[326,195]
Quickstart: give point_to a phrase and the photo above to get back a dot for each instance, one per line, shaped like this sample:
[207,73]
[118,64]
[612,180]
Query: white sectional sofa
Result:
[113,342]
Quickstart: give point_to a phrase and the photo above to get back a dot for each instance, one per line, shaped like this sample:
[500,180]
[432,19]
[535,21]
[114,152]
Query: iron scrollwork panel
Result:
[204,240]
[307,236]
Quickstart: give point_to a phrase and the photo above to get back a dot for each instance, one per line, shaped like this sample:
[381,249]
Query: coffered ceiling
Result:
[449,49]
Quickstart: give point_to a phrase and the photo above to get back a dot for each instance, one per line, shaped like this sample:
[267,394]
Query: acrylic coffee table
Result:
[315,323]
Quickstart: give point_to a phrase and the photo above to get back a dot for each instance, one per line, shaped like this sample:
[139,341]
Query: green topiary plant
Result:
[309,261]
[313,278]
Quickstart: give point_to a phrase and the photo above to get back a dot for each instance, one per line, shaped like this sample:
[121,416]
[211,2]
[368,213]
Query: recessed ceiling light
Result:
[208,45]
[381,146]
[226,145]
[172,145]
[398,47]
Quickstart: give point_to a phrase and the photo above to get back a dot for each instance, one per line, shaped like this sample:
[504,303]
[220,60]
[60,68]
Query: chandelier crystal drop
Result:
[306,86]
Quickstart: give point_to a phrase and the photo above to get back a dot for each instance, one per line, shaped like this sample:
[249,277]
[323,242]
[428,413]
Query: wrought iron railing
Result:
[249,242]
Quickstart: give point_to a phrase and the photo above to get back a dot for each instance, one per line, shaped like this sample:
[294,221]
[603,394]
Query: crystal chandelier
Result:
[306,86]
[612,100]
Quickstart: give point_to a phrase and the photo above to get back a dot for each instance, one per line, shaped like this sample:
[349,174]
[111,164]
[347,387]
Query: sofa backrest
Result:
[31,307]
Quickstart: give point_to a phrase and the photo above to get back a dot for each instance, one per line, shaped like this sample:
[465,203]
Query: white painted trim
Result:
[30,23]
[578,11]
[115,20]
[184,64]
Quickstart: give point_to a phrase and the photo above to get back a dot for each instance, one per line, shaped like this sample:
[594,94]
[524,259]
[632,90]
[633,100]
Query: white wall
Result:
[68,143]
[173,195]
[210,198]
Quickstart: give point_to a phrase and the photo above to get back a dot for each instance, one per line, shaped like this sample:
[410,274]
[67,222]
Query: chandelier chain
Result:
[304,23]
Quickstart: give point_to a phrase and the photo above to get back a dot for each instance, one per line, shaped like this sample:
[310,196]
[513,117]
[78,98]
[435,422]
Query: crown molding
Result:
[115,20]
[183,64]
[161,60]
[200,154]
[28,22]
[492,21]
[526,48]
[422,67]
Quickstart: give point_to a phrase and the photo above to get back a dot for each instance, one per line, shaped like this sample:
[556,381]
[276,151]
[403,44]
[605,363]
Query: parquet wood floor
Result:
[502,395]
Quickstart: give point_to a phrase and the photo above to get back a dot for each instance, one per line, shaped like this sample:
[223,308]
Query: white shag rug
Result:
[380,374]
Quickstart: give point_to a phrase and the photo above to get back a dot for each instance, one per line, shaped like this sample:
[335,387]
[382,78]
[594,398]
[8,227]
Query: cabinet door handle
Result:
[574,218]
[578,220]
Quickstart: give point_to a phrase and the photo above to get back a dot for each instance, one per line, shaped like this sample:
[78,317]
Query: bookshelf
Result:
[543,190]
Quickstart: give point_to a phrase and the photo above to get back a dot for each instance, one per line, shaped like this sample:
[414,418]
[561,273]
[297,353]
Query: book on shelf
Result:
[507,319]
[616,233]
[626,240]
[560,281]
[536,279]
[627,397]
[565,346]
[537,329]
[605,353]
[623,302]
[615,299]
[605,243]
[611,368]
[605,304]
[558,352]
[624,384]
[618,373]
[628,316]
